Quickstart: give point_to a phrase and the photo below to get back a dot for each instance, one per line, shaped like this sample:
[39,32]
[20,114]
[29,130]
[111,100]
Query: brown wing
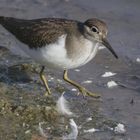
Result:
[38,32]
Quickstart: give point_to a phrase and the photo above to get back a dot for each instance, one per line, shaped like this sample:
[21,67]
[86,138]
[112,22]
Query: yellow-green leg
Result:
[44,80]
[84,91]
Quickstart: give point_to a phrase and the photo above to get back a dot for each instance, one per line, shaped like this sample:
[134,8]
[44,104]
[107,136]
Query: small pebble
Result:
[138,60]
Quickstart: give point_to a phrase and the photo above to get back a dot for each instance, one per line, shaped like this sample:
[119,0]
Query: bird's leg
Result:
[81,89]
[44,80]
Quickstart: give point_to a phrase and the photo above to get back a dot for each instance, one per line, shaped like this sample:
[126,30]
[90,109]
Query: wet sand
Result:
[22,104]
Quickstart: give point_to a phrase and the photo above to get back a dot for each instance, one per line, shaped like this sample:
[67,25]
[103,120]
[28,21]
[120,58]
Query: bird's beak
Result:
[106,44]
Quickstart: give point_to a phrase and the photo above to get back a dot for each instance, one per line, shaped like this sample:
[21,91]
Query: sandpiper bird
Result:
[59,43]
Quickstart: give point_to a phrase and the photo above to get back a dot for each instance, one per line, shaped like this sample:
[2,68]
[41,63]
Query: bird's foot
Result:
[47,93]
[85,92]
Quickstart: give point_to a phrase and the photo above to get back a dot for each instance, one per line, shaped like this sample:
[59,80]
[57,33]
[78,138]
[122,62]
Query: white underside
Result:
[55,55]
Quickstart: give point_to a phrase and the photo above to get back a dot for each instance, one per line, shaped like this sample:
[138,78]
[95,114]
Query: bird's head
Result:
[96,30]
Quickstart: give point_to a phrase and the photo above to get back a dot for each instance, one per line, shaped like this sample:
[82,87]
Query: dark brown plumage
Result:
[38,32]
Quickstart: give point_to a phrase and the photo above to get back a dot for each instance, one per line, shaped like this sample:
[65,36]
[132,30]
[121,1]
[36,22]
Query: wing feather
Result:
[38,32]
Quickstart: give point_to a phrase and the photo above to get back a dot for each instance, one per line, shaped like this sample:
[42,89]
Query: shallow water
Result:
[21,90]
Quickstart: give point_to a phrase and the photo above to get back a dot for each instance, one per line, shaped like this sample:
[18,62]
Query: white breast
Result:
[55,55]
[89,51]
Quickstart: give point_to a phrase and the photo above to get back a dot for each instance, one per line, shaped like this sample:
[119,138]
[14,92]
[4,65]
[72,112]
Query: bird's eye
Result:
[94,29]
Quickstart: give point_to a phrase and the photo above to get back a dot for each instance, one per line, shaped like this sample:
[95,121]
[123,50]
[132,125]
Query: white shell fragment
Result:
[138,60]
[89,119]
[87,82]
[92,130]
[111,84]
[77,70]
[27,131]
[108,74]
[120,129]
[63,107]
[74,131]
[73,89]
